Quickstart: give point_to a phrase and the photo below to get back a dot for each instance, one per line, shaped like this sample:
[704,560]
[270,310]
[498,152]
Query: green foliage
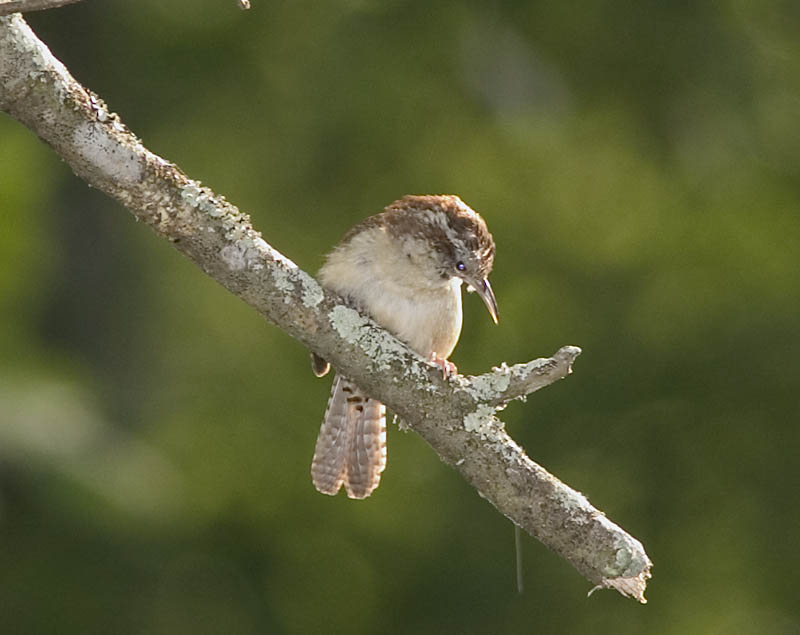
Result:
[638,165]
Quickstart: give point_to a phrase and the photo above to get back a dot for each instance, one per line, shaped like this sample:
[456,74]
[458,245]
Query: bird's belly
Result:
[429,321]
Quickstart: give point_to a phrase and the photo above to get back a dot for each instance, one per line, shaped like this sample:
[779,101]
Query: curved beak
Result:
[484,289]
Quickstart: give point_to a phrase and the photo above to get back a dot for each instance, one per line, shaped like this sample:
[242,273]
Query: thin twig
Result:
[7,7]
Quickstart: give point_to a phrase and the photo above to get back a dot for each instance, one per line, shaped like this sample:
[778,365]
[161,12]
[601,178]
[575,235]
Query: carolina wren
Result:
[404,268]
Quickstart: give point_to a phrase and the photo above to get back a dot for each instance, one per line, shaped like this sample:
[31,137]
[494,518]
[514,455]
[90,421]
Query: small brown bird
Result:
[404,268]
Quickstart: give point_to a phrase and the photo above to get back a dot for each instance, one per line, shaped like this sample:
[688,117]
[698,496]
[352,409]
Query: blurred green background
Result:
[639,166]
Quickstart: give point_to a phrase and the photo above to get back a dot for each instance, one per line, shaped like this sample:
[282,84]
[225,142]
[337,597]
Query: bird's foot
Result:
[448,367]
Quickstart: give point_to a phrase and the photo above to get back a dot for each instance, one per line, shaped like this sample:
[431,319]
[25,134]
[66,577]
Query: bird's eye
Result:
[461,266]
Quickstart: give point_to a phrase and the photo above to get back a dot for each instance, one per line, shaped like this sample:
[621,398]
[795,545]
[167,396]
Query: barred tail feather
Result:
[367,457]
[328,467]
[351,446]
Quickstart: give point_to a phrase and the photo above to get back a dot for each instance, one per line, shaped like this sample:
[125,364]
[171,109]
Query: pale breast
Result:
[424,313]
[428,322]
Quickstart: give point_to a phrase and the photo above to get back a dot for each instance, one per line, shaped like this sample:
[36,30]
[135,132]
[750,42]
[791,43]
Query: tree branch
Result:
[456,417]
[7,7]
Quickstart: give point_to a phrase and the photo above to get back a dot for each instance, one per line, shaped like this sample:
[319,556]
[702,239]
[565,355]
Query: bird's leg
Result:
[448,367]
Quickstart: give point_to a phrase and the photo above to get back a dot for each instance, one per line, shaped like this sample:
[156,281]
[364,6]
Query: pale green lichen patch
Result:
[483,422]
[631,567]
[347,322]
[629,558]
[283,280]
[489,385]
[493,385]
[312,293]
[492,430]
[201,198]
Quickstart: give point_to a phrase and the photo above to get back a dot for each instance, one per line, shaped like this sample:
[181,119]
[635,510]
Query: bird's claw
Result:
[448,367]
